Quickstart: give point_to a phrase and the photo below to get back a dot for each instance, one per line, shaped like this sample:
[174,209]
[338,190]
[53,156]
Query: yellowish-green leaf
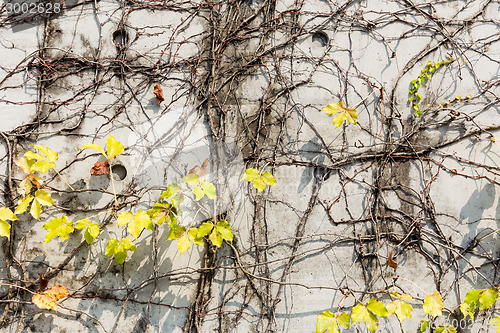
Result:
[36,209]
[470,302]
[216,238]
[82,223]
[259,184]
[91,232]
[326,321]
[401,308]
[193,236]
[58,227]
[35,156]
[334,108]
[111,247]
[209,190]
[191,179]
[140,221]
[344,113]
[268,178]
[433,304]
[446,329]
[44,198]
[205,229]
[43,166]
[487,298]
[176,231]
[183,243]
[124,218]
[198,192]
[251,174]
[6,214]
[113,147]
[361,312]
[95,146]
[22,204]
[224,229]
[377,307]
[424,325]
[170,191]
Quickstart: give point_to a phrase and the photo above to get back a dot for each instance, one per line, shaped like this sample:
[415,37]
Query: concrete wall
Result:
[254,75]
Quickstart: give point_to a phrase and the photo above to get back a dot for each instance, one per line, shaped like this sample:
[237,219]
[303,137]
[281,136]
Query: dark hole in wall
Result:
[321,38]
[119,172]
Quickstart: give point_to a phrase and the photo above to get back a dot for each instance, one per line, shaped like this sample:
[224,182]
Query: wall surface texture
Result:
[244,82]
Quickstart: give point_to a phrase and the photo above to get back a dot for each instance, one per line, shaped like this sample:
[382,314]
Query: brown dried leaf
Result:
[390,262]
[43,283]
[158,93]
[57,292]
[44,301]
[100,168]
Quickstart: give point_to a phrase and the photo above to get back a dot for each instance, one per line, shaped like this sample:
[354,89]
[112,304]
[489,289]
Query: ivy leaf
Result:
[470,302]
[139,222]
[113,147]
[487,298]
[176,231]
[119,248]
[42,198]
[58,227]
[51,156]
[251,174]
[433,304]
[124,218]
[259,184]
[221,231]
[194,237]
[94,146]
[183,243]
[268,178]
[23,203]
[25,164]
[401,308]
[91,229]
[205,229]
[377,307]
[191,179]
[446,329]
[327,321]
[198,192]
[344,113]
[4,229]
[361,312]
[111,247]
[209,190]
[6,214]
[170,191]
[48,299]
[100,168]
[216,238]
[424,325]
[27,184]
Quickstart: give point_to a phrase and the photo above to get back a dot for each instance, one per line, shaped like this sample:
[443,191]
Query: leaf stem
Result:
[64,180]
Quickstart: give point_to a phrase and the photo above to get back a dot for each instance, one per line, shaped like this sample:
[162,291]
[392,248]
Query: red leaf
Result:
[158,93]
[100,168]
[390,262]
[43,283]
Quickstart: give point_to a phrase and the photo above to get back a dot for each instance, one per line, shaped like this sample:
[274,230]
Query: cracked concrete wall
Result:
[253,75]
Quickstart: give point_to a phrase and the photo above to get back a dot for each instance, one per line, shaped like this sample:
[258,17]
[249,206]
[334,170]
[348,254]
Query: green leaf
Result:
[58,227]
[251,174]
[209,190]
[377,307]
[361,312]
[191,179]
[205,229]
[198,192]
[176,231]
[113,147]
[416,107]
[22,204]
[401,308]
[183,243]
[433,304]
[424,325]
[419,96]
[4,229]
[94,146]
[487,298]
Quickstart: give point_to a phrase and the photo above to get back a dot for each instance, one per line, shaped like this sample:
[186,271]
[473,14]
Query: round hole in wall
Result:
[119,172]
[321,38]
[120,38]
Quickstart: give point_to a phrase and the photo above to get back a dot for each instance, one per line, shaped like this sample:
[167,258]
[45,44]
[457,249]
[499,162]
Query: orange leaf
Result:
[48,299]
[158,93]
[390,262]
[100,168]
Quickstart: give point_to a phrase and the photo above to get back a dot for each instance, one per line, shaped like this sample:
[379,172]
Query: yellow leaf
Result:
[51,156]
[36,209]
[268,178]
[124,218]
[339,119]
[183,243]
[24,164]
[6,214]
[113,147]
[140,221]
[334,108]
[259,184]
[209,190]
[22,204]
[198,192]
[251,174]
[4,229]
[44,198]
[433,304]
[343,113]
[194,236]
[94,146]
